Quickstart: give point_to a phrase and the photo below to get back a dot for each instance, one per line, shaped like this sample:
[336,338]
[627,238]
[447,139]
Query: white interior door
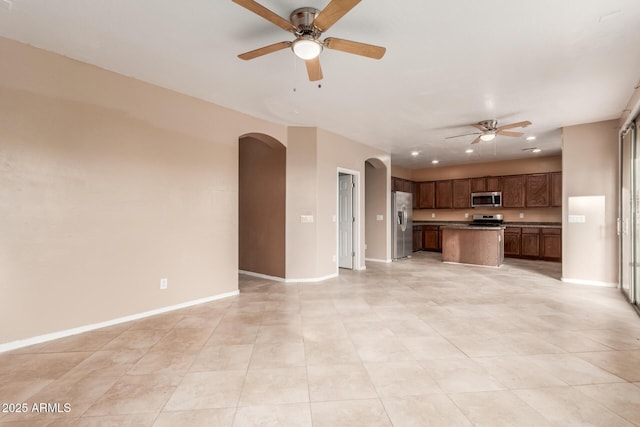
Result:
[345,221]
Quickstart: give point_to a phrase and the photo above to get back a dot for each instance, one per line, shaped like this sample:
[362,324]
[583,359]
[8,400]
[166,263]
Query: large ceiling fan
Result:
[308,24]
[489,129]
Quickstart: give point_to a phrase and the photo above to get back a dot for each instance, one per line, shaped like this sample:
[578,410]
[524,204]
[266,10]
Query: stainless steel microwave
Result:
[491,199]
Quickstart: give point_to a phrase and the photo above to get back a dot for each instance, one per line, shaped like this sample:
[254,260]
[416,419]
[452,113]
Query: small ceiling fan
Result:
[308,24]
[489,129]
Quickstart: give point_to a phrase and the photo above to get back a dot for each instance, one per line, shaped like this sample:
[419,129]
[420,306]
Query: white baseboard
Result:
[312,280]
[386,261]
[589,282]
[262,276]
[74,331]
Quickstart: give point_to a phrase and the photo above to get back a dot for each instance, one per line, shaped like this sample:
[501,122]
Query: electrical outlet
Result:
[163,283]
[333,258]
[466,215]
[521,215]
[433,215]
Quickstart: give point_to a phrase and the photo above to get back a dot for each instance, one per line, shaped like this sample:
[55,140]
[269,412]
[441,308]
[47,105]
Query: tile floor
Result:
[413,343]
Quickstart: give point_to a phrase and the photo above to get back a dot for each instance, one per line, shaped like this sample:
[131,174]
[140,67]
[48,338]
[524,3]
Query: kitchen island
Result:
[479,245]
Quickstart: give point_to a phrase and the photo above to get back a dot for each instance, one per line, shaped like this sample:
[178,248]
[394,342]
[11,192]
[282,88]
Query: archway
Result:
[261,205]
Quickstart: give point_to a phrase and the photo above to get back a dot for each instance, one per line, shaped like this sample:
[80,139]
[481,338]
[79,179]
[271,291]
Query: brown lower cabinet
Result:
[551,245]
[418,240]
[519,242]
[530,243]
[512,241]
[533,243]
[432,240]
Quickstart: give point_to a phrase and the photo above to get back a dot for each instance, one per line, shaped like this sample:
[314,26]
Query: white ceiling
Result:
[448,64]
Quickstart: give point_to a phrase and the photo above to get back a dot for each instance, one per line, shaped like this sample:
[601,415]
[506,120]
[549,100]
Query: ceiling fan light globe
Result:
[306,48]
[488,136]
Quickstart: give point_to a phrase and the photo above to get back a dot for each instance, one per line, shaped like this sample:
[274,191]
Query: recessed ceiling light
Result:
[435,162]
[469,150]
[531,138]
[415,153]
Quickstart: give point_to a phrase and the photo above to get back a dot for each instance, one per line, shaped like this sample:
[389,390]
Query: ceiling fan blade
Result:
[264,50]
[270,16]
[335,10]
[357,48]
[515,125]
[475,141]
[313,69]
[509,133]
[464,134]
[479,126]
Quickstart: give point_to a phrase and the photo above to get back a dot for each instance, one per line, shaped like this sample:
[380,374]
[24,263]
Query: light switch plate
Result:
[581,219]
[379,217]
[306,219]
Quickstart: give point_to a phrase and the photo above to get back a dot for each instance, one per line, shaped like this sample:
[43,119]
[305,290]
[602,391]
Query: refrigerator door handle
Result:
[403,216]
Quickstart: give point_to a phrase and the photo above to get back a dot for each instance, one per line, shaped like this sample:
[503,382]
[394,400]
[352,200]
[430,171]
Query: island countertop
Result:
[473,227]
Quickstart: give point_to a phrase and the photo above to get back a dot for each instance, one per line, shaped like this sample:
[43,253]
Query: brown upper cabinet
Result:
[444,194]
[478,185]
[537,190]
[494,183]
[518,191]
[485,183]
[556,189]
[415,193]
[427,195]
[399,184]
[513,191]
[395,185]
[461,193]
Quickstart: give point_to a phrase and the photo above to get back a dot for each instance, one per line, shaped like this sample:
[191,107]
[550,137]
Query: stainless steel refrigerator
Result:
[401,225]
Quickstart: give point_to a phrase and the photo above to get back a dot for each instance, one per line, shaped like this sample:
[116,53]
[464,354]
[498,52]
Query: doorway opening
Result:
[261,206]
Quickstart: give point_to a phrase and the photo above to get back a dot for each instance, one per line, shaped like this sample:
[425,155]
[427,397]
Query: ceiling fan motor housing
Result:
[303,18]
[489,124]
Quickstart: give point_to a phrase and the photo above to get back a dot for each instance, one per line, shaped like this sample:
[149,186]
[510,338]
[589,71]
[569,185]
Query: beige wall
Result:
[335,151]
[262,191]
[313,159]
[400,172]
[376,175]
[301,246]
[590,168]
[107,185]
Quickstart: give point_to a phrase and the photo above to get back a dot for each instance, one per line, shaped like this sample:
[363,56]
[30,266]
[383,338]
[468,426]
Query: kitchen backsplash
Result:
[510,215]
